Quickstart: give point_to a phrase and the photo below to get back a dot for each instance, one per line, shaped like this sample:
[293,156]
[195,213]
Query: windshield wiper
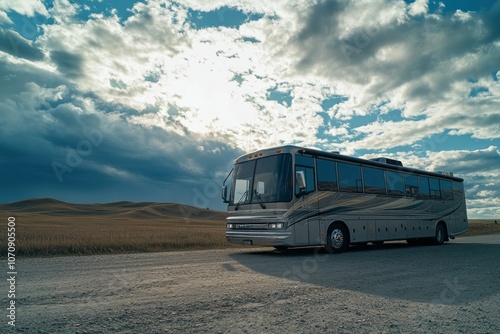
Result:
[240,201]
[262,205]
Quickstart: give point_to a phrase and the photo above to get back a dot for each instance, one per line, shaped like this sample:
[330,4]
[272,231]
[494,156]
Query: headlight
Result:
[229,226]
[275,225]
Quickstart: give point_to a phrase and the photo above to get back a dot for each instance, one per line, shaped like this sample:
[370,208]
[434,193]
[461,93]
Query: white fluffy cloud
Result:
[25,7]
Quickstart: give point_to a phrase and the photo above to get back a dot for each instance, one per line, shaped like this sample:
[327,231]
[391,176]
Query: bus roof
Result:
[334,155]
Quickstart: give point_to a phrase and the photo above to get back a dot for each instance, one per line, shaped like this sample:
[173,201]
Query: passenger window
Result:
[446,191]
[424,187]
[374,180]
[350,177]
[411,185]
[434,188]
[394,182]
[327,175]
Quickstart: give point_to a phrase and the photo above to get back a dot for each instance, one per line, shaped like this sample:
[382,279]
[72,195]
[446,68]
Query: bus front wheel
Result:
[337,239]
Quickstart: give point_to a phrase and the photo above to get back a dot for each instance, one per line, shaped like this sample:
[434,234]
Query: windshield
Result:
[263,180]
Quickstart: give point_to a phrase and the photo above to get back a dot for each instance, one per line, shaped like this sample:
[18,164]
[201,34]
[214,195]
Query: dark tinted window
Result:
[374,180]
[394,181]
[424,187]
[411,185]
[327,175]
[434,187]
[304,160]
[350,177]
[446,191]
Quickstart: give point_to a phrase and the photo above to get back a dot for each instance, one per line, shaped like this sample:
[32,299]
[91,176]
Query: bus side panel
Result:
[414,229]
[397,229]
[358,231]
[382,230]
[301,233]
[314,232]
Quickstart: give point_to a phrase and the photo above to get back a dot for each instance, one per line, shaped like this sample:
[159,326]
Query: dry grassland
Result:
[483,226]
[46,227]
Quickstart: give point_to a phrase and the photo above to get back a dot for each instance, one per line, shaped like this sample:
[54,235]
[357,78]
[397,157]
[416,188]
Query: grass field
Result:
[483,226]
[45,227]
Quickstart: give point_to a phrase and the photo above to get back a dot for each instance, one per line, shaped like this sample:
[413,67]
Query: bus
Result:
[292,196]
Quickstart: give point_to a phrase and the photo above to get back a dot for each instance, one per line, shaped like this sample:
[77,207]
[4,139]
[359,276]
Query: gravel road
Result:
[394,288]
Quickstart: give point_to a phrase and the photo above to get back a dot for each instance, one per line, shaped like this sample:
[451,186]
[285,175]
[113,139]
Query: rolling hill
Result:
[48,207]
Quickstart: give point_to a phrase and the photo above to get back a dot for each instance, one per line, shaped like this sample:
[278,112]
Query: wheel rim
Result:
[337,238]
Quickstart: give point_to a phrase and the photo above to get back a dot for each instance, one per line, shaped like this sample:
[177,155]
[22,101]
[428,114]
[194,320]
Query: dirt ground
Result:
[394,288]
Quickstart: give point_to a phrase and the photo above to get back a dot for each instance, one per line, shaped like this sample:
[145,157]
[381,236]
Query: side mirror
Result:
[301,180]
[224,194]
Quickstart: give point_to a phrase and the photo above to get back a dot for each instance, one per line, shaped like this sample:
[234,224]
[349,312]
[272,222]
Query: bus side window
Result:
[411,185]
[327,175]
[434,187]
[350,177]
[446,191]
[394,182]
[374,180]
[424,187]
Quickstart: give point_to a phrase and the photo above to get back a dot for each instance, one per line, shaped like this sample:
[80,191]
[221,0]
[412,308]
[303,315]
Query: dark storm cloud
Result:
[68,63]
[13,43]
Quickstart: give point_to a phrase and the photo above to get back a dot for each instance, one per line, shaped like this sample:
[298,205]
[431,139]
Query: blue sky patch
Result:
[281,97]
[222,17]
[123,8]
[331,101]
[28,27]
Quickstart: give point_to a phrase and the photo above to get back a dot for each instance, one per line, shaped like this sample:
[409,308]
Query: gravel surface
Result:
[394,288]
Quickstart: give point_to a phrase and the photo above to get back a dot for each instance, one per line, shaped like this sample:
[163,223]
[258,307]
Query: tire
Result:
[440,235]
[337,238]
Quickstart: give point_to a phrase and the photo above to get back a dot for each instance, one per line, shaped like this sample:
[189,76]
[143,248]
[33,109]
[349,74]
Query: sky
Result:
[105,101]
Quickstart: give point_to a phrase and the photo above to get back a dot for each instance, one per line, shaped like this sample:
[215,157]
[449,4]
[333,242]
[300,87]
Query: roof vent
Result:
[446,173]
[388,161]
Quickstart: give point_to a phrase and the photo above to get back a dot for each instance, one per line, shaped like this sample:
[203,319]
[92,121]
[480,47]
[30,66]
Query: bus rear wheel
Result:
[337,238]
[440,234]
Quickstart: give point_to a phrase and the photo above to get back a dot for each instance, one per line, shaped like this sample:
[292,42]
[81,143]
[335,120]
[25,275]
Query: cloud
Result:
[14,44]
[384,57]
[68,63]
[4,18]
[26,7]
[418,7]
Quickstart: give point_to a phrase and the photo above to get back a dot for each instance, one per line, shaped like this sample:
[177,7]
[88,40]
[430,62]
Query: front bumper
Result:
[259,238]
